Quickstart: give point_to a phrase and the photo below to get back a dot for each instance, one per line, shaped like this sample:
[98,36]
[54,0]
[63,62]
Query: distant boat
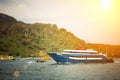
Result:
[40,60]
[79,56]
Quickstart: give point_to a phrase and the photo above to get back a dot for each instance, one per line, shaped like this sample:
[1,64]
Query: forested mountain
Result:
[109,50]
[19,38]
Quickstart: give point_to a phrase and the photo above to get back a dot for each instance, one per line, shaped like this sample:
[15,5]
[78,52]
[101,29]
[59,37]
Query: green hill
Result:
[19,38]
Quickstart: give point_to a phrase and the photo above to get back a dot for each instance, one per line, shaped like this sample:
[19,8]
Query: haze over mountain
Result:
[19,38]
[27,39]
[95,21]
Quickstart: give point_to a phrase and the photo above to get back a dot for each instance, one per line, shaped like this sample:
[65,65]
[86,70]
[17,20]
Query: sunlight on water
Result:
[29,62]
[31,70]
[16,73]
[25,67]
[116,62]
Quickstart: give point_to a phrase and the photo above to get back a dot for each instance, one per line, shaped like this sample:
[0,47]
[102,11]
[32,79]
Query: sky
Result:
[95,21]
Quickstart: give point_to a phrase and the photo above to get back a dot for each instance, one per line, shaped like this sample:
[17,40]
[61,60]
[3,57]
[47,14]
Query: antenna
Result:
[106,50]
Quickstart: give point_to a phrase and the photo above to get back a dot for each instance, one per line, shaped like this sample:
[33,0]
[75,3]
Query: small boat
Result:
[40,60]
[79,56]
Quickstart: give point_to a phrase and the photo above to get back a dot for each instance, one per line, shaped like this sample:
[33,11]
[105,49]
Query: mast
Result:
[106,50]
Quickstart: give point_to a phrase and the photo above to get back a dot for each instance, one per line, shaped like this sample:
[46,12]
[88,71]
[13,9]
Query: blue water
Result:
[31,70]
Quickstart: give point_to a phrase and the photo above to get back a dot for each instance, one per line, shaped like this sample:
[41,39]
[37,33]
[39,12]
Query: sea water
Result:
[31,70]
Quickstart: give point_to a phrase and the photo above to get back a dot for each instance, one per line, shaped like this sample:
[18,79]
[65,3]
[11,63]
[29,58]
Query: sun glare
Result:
[106,3]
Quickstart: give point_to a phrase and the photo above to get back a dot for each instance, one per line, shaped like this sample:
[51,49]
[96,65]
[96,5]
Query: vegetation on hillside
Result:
[19,38]
[28,39]
[109,50]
